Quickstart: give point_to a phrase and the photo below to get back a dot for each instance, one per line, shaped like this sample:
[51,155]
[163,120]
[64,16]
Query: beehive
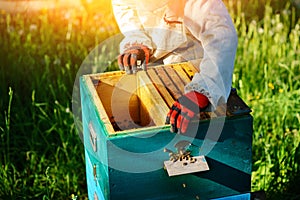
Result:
[125,134]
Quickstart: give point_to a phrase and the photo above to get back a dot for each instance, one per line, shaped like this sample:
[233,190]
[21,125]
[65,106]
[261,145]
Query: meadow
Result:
[41,154]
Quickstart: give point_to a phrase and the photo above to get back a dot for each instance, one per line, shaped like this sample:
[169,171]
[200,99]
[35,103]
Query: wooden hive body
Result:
[125,134]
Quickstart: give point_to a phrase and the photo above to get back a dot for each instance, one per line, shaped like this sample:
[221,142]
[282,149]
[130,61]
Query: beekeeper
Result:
[170,31]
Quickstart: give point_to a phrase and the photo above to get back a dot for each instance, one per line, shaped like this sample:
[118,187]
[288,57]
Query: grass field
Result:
[42,156]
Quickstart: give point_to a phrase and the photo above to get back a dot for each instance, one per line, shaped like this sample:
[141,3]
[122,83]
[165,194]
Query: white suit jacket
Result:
[205,31]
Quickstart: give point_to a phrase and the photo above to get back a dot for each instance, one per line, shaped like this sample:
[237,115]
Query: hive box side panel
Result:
[187,187]
[89,94]
[94,128]
[222,128]
[157,184]
[230,134]
[94,138]
[95,191]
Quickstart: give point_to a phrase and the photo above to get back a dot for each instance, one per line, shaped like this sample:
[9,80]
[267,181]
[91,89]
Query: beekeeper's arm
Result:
[136,45]
[210,23]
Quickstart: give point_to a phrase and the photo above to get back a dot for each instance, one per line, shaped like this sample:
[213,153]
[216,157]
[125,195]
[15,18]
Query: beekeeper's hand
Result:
[136,56]
[184,109]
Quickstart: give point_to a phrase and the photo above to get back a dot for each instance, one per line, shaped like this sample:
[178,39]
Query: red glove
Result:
[184,109]
[128,60]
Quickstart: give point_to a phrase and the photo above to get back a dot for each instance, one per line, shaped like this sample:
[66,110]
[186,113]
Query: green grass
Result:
[42,156]
[267,76]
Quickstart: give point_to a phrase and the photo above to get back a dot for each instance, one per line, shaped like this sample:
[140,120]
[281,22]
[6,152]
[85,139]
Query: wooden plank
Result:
[178,68]
[156,106]
[191,65]
[104,92]
[107,75]
[125,103]
[118,95]
[110,80]
[175,78]
[110,74]
[160,87]
[98,104]
[189,69]
[105,84]
[169,84]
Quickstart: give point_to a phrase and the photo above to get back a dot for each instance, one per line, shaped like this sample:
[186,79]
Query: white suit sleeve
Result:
[129,24]
[210,22]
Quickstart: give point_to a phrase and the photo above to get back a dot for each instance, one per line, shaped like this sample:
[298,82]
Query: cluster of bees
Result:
[182,155]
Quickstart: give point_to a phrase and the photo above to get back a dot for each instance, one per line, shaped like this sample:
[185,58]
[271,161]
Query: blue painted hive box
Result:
[125,136]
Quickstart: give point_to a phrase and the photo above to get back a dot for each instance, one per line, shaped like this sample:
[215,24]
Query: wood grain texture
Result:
[96,104]
[158,83]
[151,99]
[189,69]
[183,75]
[169,83]
[177,81]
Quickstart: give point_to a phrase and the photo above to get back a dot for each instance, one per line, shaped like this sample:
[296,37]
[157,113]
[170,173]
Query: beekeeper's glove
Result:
[135,56]
[184,109]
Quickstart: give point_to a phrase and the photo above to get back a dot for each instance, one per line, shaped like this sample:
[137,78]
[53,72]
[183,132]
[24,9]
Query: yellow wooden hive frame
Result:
[142,100]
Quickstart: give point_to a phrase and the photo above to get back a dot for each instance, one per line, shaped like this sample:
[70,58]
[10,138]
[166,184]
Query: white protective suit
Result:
[203,30]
